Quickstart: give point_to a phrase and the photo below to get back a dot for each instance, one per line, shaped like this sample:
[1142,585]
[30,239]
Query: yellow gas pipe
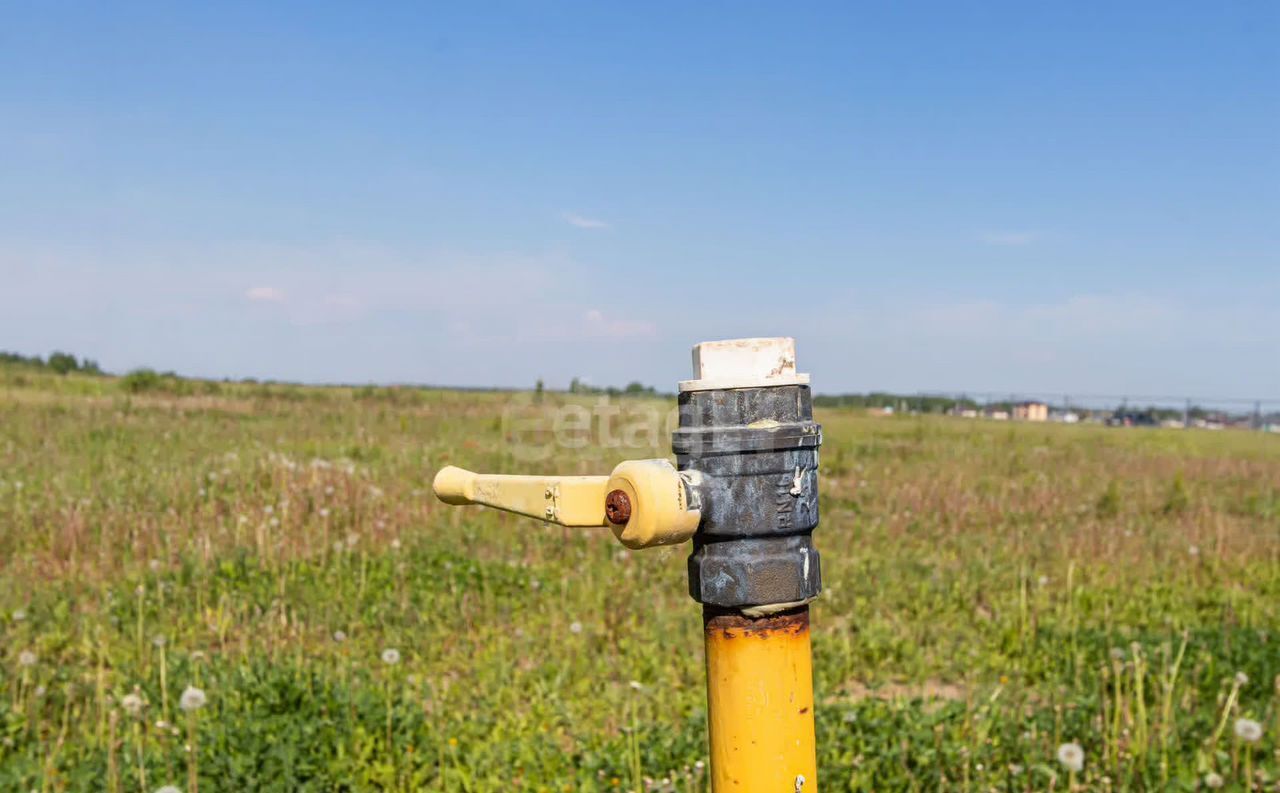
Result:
[760,702]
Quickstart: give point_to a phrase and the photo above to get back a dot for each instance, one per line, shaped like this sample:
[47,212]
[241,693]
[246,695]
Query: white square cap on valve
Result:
[744,363]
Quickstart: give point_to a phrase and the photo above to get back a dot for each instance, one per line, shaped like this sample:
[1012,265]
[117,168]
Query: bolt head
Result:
[617,507]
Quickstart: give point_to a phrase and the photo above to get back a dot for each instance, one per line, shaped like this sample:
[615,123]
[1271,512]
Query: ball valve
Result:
[745,490]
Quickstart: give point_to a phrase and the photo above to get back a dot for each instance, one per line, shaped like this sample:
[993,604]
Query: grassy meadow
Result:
[992,592]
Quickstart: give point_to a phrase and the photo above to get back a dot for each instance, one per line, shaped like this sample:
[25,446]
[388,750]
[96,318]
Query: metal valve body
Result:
[755,451]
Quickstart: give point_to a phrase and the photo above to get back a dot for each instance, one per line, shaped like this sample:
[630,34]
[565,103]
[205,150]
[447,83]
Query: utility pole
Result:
[745,490]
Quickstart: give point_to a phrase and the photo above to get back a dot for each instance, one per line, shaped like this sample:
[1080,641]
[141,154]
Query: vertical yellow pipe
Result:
[760,702]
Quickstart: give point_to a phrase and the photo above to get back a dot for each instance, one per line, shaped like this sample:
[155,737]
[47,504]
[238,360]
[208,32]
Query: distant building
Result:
[1031,411]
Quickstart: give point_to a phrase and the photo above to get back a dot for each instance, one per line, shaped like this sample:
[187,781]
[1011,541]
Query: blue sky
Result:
[1065,197]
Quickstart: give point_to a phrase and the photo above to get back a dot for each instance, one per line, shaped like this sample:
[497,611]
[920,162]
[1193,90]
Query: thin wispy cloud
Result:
[1008,239]
[264,294]
[583,222]
[597,324]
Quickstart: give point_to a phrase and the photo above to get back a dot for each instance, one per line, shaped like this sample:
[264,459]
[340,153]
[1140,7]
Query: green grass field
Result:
[992,591]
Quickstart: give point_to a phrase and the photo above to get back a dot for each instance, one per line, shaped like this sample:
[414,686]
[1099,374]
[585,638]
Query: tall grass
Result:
[992,593]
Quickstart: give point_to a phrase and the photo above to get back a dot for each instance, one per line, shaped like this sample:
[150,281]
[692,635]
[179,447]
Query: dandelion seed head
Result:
[132,703]
[391,656]
[19,615]
[575,627]
[158,640]
[27,658]
[1213,781]
[1242,679]
[192,699]
[1194,550]
[1071,756]
[339,636]
[169,789]
[1248,730]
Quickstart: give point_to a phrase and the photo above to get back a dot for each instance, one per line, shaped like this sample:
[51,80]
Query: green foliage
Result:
[58,363]
[1108,505]
[140,381]
[1177,499]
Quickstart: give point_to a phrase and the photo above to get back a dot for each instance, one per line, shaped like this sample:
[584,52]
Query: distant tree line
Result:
[883,399]
[633,388]
[58,362]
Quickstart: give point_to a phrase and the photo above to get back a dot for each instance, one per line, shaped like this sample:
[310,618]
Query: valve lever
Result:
[644,502]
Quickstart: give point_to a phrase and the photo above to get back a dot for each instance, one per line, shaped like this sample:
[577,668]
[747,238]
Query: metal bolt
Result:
[617,507]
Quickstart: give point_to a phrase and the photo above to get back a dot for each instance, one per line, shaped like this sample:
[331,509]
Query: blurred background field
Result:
[993,591]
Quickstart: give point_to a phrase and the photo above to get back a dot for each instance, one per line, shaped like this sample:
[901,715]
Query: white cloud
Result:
[597,324]
[1008,239]
[583,222]
[264,294]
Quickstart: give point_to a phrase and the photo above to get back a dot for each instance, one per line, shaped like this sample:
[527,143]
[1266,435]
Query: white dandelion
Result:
[1071,756]
[324,512]
[19,615]
[339,636]
[158,640]
[1248,730]
[192,699]
[1242,679]
[636,685]
[1213,781]
[132,704]
[391,656]
[27,658]
[575,627]
[169,789]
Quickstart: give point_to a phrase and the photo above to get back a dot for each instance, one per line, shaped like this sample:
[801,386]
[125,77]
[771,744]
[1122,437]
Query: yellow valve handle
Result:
[645,502]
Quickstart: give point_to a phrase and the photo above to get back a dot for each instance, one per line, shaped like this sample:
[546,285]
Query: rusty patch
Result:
[733,624]
[617,507]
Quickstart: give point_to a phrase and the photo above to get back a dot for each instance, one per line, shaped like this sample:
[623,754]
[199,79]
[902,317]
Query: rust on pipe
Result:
[733,624]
